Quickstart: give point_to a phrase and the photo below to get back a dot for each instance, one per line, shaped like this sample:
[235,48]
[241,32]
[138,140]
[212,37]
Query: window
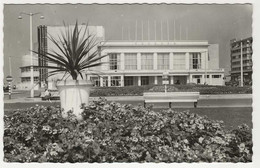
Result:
[195,60]
[95,80]
[115,81]
[129,80]
[216,76]
[179,61]
[146,61]
[130,61]
[144,80]
[196,76]
[163,60]
[114,61]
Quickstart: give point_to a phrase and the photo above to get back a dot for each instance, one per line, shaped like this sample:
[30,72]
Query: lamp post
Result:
[31,44]
[9,79]
[165,78]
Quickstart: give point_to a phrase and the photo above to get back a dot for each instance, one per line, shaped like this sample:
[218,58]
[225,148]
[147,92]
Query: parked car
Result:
[232,83]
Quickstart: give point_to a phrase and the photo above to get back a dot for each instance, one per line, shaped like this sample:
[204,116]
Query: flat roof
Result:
[120,43]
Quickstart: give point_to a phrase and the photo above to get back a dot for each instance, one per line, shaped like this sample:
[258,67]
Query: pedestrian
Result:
[47,95]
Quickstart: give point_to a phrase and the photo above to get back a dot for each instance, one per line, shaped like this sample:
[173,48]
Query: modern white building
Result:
[139,63]
[25,83]
[136,63]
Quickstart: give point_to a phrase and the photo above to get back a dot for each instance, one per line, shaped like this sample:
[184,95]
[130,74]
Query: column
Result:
[210,79]
[155,61]
[139,61]
[122,61]
[109,81]
[203,79]
[139,80]
[171,60]
[101,81]
[122,80]
[156,80]
[190,78]
[187,60]
[88,77]
[172,80]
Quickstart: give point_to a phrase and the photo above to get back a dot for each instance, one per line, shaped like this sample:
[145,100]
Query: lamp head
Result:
[19,17]
[42,17]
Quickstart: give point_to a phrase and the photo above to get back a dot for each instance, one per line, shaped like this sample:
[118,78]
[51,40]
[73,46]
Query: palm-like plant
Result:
[77,51]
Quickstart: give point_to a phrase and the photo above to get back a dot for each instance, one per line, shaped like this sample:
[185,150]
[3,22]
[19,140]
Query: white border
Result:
[256,94]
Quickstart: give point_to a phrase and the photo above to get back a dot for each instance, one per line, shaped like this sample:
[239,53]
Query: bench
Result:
[54,95]
[171,97]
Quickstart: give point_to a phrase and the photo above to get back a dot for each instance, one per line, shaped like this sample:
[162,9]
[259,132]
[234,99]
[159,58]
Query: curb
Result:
[134,98]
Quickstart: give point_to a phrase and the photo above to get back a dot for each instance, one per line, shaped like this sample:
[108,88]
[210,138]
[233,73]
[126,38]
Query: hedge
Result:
[139,90]
[113,132]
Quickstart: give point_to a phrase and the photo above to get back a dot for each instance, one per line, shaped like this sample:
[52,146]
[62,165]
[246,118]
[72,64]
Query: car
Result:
[6,88]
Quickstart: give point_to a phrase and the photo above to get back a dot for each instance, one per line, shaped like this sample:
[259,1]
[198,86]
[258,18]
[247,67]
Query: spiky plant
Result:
[77,51]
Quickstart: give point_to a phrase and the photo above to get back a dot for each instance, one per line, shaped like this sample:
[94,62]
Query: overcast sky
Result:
[215,23]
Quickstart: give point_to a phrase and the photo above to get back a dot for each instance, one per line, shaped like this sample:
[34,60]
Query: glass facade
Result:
[115,81]
[179,61]
[130,61]
[114,61]
[147,61]
[195,60]
[163,61]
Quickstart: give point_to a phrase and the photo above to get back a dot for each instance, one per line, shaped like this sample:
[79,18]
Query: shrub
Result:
[139,90]
[111,132]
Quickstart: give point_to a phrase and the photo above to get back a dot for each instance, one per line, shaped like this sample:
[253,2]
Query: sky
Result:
[217,24]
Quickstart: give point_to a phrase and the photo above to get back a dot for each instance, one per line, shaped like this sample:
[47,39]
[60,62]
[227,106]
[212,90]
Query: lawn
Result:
[231,116]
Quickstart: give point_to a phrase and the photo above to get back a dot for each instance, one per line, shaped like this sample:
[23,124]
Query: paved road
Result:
[205,103]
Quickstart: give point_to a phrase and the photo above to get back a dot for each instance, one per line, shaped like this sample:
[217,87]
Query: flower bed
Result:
[121,133]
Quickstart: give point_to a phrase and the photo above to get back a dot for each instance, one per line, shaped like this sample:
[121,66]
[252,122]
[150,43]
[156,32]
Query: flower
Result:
[201,140]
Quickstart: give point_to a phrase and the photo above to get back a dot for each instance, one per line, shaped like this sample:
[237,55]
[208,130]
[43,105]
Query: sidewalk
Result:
[134,98]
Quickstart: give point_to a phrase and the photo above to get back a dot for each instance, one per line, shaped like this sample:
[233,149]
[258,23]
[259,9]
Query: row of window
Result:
[129,80]
[248,56]
[147,61]
[28,69]
[244,68]
[245,61]
[28,79]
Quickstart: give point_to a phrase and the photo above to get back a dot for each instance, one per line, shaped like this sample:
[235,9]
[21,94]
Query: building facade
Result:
[137,63]
[42,49]
[144,63]
[238,48]
[25,83]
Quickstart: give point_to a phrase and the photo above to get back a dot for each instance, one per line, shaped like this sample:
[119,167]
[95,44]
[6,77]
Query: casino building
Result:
[136,63]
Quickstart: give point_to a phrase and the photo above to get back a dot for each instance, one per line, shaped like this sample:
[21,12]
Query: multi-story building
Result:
[235,54]
[42,49]
[144,62]
[25,83]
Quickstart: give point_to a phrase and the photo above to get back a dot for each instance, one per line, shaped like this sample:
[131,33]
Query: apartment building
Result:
[237,48]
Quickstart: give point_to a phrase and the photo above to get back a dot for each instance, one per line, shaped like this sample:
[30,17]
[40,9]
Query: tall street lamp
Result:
[31,44]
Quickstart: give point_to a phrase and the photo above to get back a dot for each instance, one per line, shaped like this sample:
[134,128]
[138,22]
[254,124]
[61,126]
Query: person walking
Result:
[47,95]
